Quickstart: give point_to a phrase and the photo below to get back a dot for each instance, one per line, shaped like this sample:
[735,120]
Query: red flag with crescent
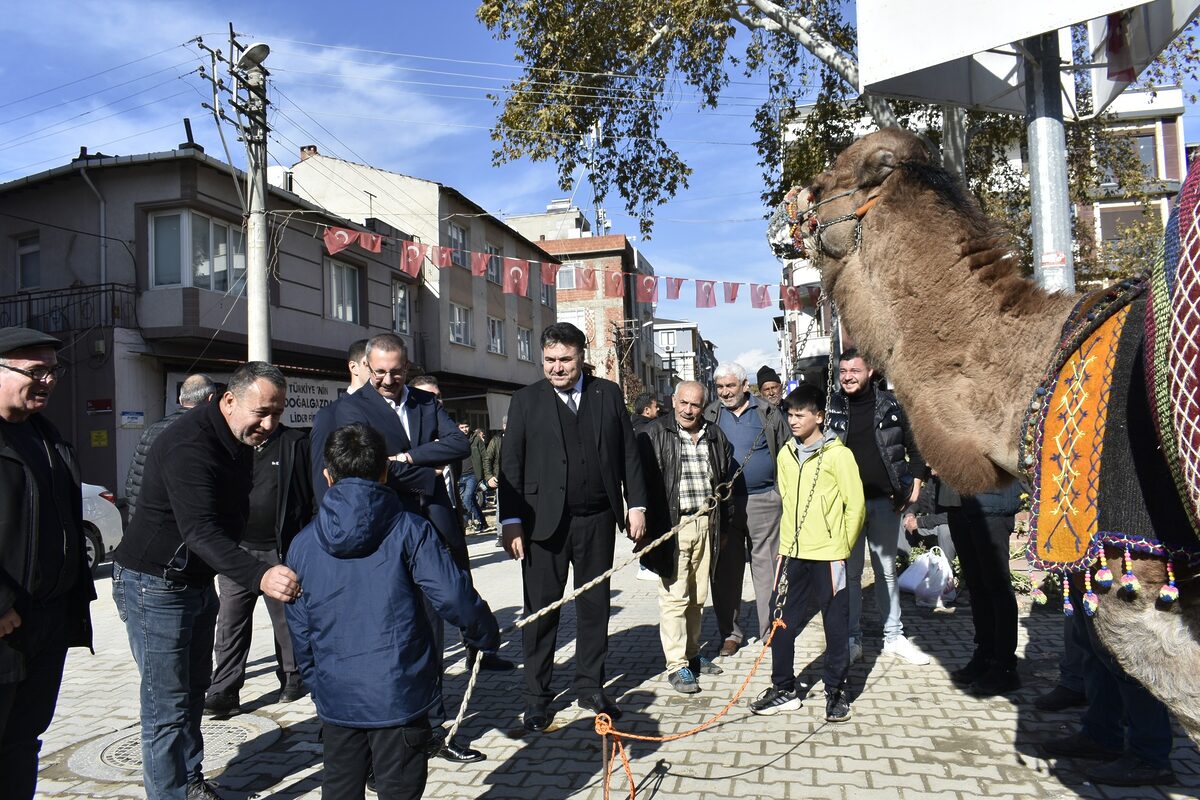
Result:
[673,287]
[614,284]
[339,239]
[371,242]
[443,257]
[706,296]
[647,289]
[731,291]
[790,295]
[516,276]
[550,273]
[760,295]
[479,264]
[585,278]
[412,258]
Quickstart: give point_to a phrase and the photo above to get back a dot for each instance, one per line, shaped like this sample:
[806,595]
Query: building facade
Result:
[685,355]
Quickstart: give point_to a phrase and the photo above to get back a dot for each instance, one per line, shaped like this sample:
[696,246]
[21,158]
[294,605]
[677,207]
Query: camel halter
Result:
[816,227]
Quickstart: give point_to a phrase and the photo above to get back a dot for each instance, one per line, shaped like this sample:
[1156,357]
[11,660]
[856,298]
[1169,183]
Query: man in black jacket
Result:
[191,514]
[281,504]
[195,389]
[45,585]
[870,421]
[684,459]
[568,467]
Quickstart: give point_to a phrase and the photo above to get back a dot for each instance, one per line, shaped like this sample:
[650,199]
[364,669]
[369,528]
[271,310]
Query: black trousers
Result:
[584,544]
[235,629]
[826,581]
[398,756]
[27,706]
[982,545]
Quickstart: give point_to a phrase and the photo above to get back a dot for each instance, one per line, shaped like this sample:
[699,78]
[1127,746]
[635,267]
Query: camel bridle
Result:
[816,227]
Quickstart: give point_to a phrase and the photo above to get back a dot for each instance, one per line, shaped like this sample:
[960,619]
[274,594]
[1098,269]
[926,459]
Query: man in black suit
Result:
[568,453]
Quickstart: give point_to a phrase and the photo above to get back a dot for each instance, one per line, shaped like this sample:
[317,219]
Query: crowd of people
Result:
[355,534]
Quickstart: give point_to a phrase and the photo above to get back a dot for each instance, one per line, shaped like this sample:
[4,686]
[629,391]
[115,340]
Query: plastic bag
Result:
[914,574]
[937,585]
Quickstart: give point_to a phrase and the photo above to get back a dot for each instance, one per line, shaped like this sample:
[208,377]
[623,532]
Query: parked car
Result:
[101,523]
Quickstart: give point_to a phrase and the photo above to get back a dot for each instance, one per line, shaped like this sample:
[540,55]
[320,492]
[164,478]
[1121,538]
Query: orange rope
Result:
[604,724]
[862,210]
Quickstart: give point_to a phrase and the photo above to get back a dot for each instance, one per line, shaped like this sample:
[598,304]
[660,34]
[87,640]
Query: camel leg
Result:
[1157,646]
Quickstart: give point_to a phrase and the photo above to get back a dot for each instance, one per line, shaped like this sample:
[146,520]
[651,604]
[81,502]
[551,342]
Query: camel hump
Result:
[1173,346]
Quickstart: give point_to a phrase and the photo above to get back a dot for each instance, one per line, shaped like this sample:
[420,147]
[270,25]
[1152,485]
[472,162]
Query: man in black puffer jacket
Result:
[872,424]
[195,389]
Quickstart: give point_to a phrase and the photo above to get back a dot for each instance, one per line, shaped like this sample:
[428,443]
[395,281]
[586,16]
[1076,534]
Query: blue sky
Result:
[398,85]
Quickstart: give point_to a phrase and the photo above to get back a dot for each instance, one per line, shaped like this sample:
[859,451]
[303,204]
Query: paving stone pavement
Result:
[912,735]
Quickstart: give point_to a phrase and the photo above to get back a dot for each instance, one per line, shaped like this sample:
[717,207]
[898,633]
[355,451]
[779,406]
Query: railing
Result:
[79,308]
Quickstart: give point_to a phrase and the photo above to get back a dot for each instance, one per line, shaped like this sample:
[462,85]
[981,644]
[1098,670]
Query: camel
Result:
[931,294]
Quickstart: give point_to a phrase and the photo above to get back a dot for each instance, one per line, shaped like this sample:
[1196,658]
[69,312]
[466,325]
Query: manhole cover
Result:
[118,756]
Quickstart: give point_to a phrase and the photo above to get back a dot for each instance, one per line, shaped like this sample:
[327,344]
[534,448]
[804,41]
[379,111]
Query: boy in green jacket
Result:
[823,513]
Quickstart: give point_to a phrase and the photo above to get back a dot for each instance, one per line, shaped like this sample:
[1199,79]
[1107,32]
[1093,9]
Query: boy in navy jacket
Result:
[363,642]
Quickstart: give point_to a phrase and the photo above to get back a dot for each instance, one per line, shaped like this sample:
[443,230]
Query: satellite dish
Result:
[254,55]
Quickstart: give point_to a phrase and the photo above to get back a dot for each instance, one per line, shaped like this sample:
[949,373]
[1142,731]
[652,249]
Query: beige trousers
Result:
[681,601]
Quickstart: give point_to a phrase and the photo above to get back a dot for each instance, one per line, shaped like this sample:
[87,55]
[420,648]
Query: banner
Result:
[731,291]
[673,286]
[760,295]
[614,284]
[516,276]
[646,289]
[412,258]
[706,296]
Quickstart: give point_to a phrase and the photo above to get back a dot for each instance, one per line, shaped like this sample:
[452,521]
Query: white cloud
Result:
[751,360]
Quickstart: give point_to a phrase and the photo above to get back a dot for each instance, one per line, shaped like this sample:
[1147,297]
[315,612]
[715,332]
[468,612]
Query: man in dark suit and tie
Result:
[569,466]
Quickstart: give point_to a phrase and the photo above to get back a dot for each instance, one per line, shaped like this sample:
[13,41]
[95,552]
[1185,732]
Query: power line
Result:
[124,243]
[69,156]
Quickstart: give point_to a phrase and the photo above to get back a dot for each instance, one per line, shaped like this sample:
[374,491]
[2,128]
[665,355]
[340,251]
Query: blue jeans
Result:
[170,627]
[881,534]
[466,490]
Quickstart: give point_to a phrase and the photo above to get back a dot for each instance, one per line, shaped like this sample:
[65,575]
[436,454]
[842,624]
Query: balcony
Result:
[106,305]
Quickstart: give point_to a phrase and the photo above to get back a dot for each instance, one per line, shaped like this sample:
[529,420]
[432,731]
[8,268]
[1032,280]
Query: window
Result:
[524,344]
[577,317]
[548,294]
[343,291]
[456,237]
[460,324]
[668,339]
[29,262]
[191,249]
[399,307]
[494,271]
[496,336]
[566,275]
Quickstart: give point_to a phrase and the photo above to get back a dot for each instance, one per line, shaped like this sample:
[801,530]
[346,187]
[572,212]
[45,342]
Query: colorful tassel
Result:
[1129,581]
[1038,596]
[1104,576]
[1170,592]
[1068,608]
[1090,601]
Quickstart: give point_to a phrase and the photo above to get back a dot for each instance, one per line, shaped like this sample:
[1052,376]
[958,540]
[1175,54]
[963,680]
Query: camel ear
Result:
[876,167]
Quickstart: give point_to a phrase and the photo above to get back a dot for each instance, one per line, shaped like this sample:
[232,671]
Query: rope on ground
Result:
[604,724]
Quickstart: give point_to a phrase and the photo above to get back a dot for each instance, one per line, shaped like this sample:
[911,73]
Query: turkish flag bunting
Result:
[479,264]
[412,258]
[371,242]
[814,296]
[673,285]
[731,290]
[443,257]
[516,276]
[790,295]
[646,290]
[550,273]
[339,239]
[614,284]
[760,295]
[705,295]
[585,278]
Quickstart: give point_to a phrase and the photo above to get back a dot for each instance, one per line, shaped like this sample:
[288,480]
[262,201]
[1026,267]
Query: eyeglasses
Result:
[39,374]
[395,374]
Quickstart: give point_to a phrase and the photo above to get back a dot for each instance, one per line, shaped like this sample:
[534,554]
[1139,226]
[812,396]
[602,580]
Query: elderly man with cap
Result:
[45,584]
[770,386]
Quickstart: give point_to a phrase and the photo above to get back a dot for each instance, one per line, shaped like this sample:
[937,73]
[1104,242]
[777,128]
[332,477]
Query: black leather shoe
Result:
[1060,698]
[972,671]
[996,681]
[292,690]
[598,703]
[222,704]
[1130,770]
[536,719]
[1078,745]
[458,753]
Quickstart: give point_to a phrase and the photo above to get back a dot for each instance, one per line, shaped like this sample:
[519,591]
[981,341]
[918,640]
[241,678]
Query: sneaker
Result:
[202,790]
[647,575]
[222,704]
[903,648]
[1129,770]
[683,680]
[837,706]
[996,681]
[1060,698]
[855,652]
[773,700]
[701,665]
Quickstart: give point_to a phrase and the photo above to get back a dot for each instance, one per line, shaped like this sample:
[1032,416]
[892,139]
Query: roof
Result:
[586,244]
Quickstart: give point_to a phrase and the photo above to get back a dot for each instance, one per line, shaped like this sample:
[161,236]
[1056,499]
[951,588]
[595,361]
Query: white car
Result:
[101,523]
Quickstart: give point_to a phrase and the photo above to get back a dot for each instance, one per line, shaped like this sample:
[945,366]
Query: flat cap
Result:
[17,338]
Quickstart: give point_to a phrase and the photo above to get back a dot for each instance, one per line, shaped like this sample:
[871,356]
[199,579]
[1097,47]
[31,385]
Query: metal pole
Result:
[1053,265]
[258,311]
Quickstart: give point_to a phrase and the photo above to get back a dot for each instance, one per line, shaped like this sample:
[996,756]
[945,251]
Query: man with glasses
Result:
[45,585]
